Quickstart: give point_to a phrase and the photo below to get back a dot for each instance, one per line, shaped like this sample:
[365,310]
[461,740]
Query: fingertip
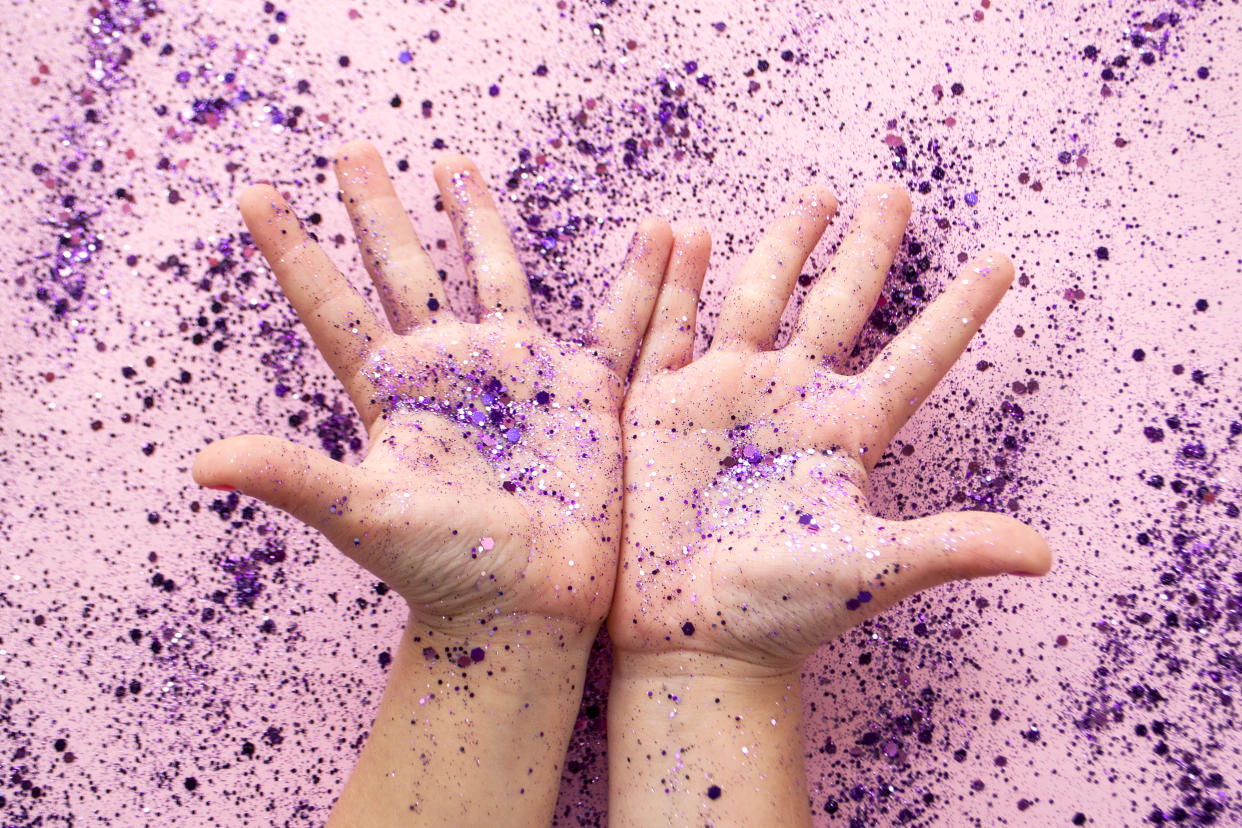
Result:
[692,248]
[889,194]
[656,230]
[356,152]
[992,264]
[461,184]
[1034,553]
[199,470]
[360,173]
[973,544]
[692,240]
[890,189]
[451,164]
[1010,546]
[276,471]
[651,247]
[258,200]
[211,465]
[819,199]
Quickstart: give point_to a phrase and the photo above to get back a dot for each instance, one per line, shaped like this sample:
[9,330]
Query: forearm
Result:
[701,741]
[480,742]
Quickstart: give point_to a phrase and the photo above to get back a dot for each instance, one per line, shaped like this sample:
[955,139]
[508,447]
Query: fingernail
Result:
[222,488]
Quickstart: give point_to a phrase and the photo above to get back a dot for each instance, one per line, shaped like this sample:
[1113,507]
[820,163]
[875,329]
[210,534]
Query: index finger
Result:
[906,372]
[339,321]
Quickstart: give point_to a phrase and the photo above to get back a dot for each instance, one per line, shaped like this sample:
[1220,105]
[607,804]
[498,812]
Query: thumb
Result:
[306,484]
[955,545]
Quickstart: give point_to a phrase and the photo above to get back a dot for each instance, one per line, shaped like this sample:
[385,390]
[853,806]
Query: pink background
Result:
[1106,690]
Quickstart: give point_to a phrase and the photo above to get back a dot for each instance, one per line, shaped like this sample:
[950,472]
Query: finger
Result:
[313,488]
[751,314]
[620,323]
[838,305]
[953,546]
[915,555]
[491,262]
[403,273]
[669,341]
[337,317]
[904,374]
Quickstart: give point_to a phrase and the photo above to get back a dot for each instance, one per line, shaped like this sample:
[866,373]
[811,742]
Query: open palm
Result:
[747,531]
[490,484]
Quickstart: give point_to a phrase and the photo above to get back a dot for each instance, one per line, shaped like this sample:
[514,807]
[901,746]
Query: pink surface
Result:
[208,661]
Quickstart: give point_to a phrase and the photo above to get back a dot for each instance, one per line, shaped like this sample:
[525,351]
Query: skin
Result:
[489,496]
[748,541]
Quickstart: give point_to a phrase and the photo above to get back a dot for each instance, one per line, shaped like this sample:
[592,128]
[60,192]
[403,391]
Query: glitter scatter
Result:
[175,655]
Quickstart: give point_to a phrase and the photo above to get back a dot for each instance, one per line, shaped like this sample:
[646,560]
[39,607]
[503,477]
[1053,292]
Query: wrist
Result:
[535,660]
[703,667]
[473,722]
[709,694]
[706,740]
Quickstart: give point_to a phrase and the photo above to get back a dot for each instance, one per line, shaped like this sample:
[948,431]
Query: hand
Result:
[489,496]
[747,531]
[491,482]
[748,541]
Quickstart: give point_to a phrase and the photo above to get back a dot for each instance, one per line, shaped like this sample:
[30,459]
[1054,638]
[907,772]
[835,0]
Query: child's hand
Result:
[747,533]
[748,541]
[490,495]
[491,485]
